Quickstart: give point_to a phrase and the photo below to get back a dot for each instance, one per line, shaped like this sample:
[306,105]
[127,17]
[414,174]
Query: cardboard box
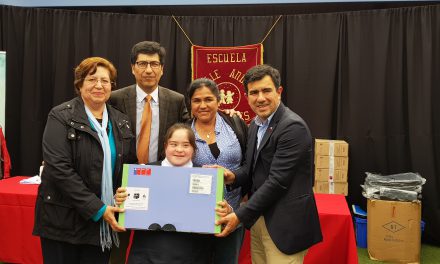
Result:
[325,174]
[331,187]
[327,147]
[331,162]
[393,230]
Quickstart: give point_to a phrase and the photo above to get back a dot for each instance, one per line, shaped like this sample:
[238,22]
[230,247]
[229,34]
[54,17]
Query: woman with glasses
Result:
[85,143]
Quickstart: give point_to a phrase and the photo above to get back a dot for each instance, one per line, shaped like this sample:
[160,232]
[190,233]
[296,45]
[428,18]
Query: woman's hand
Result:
[224,209]
[109,217]
[121,195]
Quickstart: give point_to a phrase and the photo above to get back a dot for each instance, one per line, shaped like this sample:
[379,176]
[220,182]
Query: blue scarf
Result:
[106,233]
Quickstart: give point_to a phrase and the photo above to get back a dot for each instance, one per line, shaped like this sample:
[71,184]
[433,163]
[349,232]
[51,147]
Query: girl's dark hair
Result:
[178,126]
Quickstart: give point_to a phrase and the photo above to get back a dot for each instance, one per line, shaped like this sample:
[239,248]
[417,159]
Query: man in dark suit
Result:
[167,108]
[281,211]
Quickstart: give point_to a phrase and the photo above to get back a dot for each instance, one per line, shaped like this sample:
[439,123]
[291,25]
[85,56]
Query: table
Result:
[17,202]
[17,245]
[339,243]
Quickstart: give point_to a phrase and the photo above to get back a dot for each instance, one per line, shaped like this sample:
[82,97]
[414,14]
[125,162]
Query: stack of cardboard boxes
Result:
[331,166]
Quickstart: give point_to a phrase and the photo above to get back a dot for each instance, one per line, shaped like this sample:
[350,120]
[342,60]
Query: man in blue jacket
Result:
[281,211]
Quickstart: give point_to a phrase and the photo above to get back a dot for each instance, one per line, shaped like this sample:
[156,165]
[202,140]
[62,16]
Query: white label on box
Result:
[331,163]
[331,148]
[200,184]
[137,198]
[331,187]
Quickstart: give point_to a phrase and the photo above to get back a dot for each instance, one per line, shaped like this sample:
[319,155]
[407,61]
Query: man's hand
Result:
[229,175]
[121,195]
[232,112]
[109,217]
[229,223]
[224,208]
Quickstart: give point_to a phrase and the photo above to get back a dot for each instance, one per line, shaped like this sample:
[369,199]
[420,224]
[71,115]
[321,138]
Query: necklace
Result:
[207,134]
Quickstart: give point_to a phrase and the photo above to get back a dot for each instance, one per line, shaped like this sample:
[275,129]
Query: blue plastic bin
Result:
[361,231]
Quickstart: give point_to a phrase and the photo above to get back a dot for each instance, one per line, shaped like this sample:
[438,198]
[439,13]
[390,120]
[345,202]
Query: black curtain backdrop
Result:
[370,77]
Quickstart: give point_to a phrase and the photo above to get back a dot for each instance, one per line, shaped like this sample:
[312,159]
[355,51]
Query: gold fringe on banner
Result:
[186,35]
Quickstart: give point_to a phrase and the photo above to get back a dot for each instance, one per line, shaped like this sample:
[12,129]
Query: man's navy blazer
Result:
[279,177]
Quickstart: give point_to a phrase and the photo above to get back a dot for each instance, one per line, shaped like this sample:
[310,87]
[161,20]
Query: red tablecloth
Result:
[17,201]
[338,245]
[17,245]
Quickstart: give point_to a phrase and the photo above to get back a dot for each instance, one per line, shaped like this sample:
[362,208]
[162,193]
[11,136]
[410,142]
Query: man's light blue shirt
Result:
[262,126]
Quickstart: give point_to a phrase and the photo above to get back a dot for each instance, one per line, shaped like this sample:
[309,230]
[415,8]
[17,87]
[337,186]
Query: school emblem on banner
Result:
[227,67]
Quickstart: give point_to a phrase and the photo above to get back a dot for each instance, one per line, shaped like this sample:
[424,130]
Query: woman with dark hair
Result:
[220,140]
[85,143]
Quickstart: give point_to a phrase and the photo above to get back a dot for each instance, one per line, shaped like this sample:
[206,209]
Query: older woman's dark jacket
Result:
[70,192]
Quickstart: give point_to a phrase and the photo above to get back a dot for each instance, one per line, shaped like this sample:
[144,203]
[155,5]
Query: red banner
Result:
[227,67]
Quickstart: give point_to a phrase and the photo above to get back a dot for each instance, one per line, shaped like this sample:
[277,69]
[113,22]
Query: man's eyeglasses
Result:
[144,64]
[94,81]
